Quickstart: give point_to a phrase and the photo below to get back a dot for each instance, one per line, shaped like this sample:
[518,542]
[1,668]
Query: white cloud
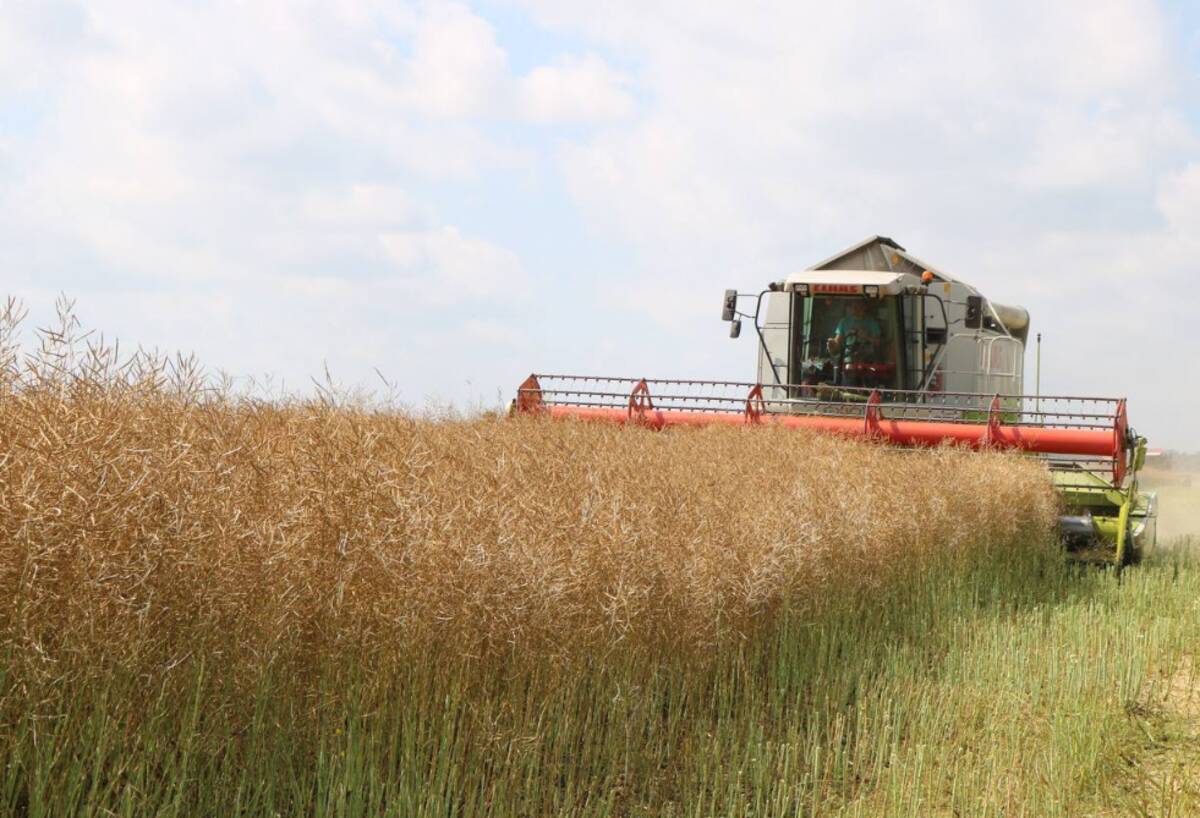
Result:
[240,179]
[444,266]
[495,333]
[764,121]
[363,204]
[1179,202]
[457,67]
[1117,146]
[575,89]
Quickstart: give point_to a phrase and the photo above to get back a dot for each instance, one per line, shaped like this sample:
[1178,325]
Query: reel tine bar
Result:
[1076,428]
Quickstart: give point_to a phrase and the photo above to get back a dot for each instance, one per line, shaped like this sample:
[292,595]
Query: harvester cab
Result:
[875,316]
[875,343]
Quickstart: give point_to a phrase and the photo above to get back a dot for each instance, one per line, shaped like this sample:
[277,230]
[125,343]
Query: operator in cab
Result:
[858,335]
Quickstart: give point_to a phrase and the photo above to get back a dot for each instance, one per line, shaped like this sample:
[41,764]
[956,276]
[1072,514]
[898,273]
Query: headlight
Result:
[871,291]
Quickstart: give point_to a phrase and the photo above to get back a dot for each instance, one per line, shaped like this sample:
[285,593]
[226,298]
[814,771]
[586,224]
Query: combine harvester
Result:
[875,343]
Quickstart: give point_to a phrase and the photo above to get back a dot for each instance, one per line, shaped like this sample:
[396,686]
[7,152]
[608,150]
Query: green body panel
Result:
[1123,519]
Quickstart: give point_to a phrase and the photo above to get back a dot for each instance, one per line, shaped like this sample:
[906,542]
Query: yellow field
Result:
[138,526]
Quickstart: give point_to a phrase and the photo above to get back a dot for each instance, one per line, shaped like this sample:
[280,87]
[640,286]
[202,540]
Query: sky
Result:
[446,197]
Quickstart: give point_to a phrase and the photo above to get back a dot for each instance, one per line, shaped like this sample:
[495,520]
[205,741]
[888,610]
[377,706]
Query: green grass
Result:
[1029,688]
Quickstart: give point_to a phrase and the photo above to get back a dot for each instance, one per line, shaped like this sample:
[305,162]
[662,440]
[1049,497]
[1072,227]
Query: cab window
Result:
[847,341]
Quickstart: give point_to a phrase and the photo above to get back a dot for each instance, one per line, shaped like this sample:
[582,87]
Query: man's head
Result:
[858,308]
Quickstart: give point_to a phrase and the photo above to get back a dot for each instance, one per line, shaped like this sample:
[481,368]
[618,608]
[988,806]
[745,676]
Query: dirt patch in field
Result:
[1172,773]
[1164,773]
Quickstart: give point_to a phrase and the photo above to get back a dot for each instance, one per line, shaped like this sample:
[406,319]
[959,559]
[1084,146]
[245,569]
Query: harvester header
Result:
[1092,428]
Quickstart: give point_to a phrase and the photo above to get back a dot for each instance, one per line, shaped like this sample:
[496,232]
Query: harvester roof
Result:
[831,280]
[879,253]
[879,261]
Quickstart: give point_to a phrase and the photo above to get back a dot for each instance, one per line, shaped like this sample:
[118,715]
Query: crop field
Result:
[211,605]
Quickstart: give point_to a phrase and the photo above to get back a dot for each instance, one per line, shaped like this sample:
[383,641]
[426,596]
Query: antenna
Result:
[1037,387]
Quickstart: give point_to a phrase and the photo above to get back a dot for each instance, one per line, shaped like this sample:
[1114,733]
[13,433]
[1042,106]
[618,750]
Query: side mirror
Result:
[735,328]
[974,318]
[730,307]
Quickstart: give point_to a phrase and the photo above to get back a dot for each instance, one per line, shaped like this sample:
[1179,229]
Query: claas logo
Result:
[837,289]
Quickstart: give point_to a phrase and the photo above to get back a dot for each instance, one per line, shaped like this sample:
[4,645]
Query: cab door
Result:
[925,338]
[775,339]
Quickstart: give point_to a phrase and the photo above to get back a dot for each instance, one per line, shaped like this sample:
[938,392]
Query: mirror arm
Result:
[762,342]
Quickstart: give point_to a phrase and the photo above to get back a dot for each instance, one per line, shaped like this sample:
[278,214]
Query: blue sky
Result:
[457,195]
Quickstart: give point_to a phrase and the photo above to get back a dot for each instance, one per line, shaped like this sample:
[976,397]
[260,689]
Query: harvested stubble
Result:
[138,526]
